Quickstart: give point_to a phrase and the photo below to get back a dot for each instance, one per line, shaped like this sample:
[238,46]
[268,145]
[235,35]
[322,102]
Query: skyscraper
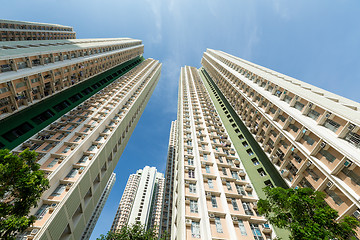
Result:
[141,201]
[76,103]
[165,223]
[213,196]
[311,136]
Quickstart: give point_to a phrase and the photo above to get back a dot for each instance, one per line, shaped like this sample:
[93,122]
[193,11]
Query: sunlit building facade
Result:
[25,31]
[141,201]
[76,103]
[213,196]
[311,136]
[99,207]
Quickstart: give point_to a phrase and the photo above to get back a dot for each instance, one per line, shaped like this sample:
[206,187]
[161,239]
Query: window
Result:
[213,201]
[247,208]
[332,125]
[327,155]
[242,228]
[191,161]
[195,229]
[66,149]
[256,231]
[234,204]
[221,159]
[191,173]
[72,173]
[224,171]
[261,172]
[240,190]
[218,225]
[250,152]
[312,174]
[42,211]
[59,190]
[293,127]
[299,106]
[255,161]
[245,144]
[313,114]
[234,175]
[52,163]
[210,183]
[193,206]
[205,157]
[338,201]
[83,159]
[192,188]
[207,169]
[228,185]
[352,175]
[308,139]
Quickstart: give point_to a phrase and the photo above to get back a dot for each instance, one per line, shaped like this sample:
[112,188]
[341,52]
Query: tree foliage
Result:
[132,232]
[21,186]
[305,214]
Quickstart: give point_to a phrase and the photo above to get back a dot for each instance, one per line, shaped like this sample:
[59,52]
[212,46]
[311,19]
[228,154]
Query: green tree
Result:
[305,214]
[21,186]
[132,232]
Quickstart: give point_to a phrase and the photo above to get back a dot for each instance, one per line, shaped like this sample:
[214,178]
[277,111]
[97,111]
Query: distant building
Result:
[166,213]
[142,200]
[25,31]
[99,207]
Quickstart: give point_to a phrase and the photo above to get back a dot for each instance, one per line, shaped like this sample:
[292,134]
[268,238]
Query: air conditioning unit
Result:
[254,205]
[234,218]
[305,131]
[68,186]
[208,194]
[188,221]
[328,115]
[324,145]
[356,214]
[52,207]
[73,147]
[62,158]
[309,164]
[187,183]
[211,215]
[187,200]
[248,187]
[351,127]
[284,172]
[310,105]
[330,185]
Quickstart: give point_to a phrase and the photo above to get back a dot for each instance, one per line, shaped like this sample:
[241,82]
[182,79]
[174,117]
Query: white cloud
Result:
[156,8]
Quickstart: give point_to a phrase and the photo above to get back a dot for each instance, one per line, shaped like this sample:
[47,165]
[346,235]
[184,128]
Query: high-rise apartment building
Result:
[24,31]
[99,207]
[213,196]
[311,136]
[76,103]
[141,201]
[165,223]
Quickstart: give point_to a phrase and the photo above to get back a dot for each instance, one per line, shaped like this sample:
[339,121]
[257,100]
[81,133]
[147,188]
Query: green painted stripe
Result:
[226,113]
[25,116]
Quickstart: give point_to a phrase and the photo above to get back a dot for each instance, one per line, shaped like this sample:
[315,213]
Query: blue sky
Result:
[314,41]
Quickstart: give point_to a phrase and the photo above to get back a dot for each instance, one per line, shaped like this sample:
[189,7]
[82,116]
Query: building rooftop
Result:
[14,49]
[32,23]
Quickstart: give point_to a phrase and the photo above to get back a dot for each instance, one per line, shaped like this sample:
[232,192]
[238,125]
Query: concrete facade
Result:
[213,197]
[311,136]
